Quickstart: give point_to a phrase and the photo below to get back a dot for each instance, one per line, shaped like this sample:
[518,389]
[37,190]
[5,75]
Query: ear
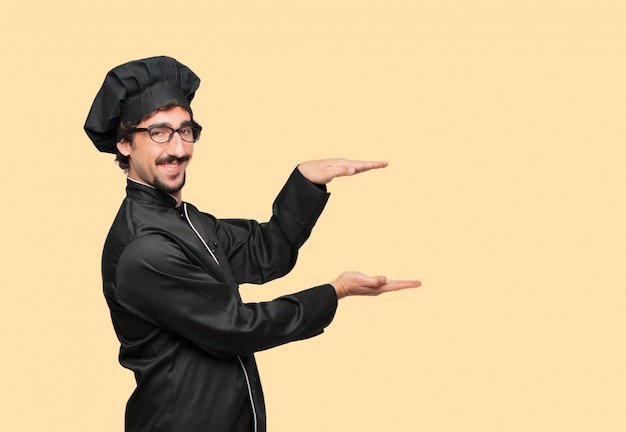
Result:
[124,147]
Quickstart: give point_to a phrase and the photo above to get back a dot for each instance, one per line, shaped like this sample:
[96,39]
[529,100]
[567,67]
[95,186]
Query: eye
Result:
[159,132]
[186,131]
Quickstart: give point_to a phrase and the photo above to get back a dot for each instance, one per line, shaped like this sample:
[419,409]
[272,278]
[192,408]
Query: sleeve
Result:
[260,252]
[155,277]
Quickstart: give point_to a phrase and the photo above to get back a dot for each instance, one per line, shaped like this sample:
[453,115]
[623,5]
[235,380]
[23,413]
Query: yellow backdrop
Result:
[503,122]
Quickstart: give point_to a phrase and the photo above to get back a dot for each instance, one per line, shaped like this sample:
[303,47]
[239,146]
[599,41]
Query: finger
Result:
[355,167]
[339,171]
[396,285]
[377,281]
[362,166]
[360,279]
[348,168]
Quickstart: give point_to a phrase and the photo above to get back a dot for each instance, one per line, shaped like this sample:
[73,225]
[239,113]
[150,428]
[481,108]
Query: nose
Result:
[176,146]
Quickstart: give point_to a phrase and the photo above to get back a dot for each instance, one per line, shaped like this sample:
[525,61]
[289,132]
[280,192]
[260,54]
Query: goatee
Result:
[169,189]
[157,183]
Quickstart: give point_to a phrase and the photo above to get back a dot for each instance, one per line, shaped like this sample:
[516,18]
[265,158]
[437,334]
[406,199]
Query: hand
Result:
[355,283]
[324,170]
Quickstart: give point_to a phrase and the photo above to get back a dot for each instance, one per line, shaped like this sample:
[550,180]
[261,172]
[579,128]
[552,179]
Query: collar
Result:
[144,192]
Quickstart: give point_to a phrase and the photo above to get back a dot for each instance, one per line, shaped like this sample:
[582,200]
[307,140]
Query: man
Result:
[171,273]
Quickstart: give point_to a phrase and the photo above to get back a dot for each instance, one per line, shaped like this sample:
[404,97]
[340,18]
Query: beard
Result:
[171,189]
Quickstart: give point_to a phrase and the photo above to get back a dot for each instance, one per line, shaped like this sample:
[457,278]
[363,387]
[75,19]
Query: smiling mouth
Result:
[172,167]
[170,164]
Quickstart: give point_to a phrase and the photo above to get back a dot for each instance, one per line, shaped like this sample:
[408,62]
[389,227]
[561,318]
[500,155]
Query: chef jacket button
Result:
[215,244]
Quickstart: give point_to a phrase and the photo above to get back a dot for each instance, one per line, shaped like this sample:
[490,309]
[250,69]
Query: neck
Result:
[177,196]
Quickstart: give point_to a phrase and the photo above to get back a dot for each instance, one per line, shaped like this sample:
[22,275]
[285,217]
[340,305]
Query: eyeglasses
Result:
[163,134]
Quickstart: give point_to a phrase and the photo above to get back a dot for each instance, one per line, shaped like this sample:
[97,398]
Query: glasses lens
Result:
[186,134]
[160,134]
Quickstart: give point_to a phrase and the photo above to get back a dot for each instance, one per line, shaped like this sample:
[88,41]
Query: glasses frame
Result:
[195,130]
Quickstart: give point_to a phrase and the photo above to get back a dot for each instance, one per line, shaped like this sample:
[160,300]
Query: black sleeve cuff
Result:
[299,204]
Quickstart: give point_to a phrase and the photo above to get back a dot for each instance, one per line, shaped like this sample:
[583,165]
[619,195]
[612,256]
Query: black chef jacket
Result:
[171,278]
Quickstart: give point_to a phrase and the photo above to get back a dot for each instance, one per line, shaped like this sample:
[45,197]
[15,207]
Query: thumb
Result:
[376,281]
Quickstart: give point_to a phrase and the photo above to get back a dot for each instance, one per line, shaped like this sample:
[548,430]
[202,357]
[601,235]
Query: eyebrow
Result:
[169,125]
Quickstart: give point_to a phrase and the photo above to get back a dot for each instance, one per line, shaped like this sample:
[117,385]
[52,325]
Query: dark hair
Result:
[126,130]
[127,134]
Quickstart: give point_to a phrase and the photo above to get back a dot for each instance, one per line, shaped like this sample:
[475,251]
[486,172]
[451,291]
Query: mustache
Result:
[172,159]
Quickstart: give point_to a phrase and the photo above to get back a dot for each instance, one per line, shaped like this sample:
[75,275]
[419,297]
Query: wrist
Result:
[339,289]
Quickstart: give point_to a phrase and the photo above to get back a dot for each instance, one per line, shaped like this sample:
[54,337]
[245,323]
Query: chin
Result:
[171,187]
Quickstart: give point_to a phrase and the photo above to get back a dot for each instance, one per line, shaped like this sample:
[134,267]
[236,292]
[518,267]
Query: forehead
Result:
[174,116]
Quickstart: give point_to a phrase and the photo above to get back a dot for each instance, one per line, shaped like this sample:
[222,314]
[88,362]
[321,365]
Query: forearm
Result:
[261,252]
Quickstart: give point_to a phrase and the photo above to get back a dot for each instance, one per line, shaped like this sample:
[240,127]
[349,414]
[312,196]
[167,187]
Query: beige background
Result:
[503,122]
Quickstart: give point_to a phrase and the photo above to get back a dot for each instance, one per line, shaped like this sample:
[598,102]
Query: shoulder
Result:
[152,251]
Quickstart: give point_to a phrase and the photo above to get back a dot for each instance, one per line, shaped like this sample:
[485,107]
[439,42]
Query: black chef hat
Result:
[133,90]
